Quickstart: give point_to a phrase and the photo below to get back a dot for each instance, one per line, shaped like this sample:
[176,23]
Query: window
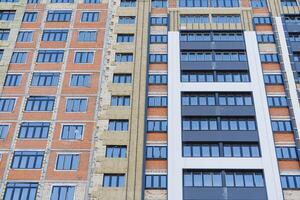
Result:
[7,104]
[159,3]
[62,192]
[281,126]
[125,38]
[288,2]
[239,124]
[294,19]
[84,57]
[156,152]
[269,58]
[45,79]
[258,3]
[20,190]
[159,39]
[225,3]
[159,21]
[277,101]
[67,161]
[62,1]
[201,150]
[265,38]
[7,15]
[157,125]
[235,99]
[128,3]
[30,17]
[158,79]
[124,57]
[1,54]
[122,78]
[59,16]
[158,58]
[116,152]
[13,80]
[76,105]
[118,125]
[80,80]
[4,33]
[3,131]
[27,160]
[194,19]
[156,182]
[286,152]
[243,179]
[219,76]
[193,3]
[40,103]
[120,101]
[18,57]
[262,20]
[9,1]
[227,36]
[157,101]
[238,56]
[202,179]
[72,132]
[55,35]
[220,19]
[34,130]
[199,99]
[126,20]
[89,16]
[296,56]
[50,56]
[25,36]
[87,36]
[113,180]
[290,182]
[273,79]
[33,1]
[239,150]
[92,1]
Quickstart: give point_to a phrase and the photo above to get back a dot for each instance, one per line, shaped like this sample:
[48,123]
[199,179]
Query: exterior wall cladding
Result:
[149,99]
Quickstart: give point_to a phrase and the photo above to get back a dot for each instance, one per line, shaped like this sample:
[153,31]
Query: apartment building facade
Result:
[150,99]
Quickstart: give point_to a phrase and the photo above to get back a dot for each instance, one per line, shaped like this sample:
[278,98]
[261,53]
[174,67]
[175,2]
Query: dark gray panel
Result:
[218,111]
[233,45]
[292,27]
[223,193]
[214,65]
[295,46]
[220,136]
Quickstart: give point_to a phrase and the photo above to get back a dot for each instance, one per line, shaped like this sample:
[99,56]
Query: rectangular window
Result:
[1,54]
[113,180]
[158,58]
[159,21]
[156,182]
[239,150]
[157,101]
[34,130]
[193,3]
[194,19]
[27,160]
[90,16]
[278,126]
[290,182]
[25,36]
[80,80]
[122,78]
[125,38]
[118,125]
[19,57]
[59,16]
[296,56]
[9,1]
[3,131]
[4,34]
[33,1]
[156,152]
[116,152]
[50,56]
[7,104]
[13,80]
[40,103]
[157,125]
[62,1]
[158,79]
[67,161]
[84,57]
[76,105]
[225,3]
[55,35]
[45,79]
[220,19]
[120,101]
[18,190]
[273,79]
[62,192]
[267,58]
[262,20]
[292,19]
[126,20]
[7,15]
[127,3]
[286,153]
[87,36]
[124,57]
[258,3]
[72,132]
[159,3]
[265,38]
[158,39]
[201,150]
[92,1]
[277,101]
[289,3]
[30,17]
